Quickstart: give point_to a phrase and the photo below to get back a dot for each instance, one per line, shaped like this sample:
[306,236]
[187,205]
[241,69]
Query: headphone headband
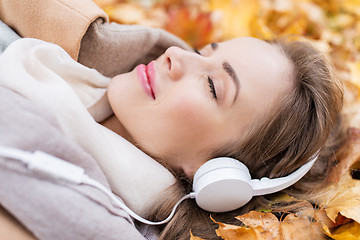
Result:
[266,186]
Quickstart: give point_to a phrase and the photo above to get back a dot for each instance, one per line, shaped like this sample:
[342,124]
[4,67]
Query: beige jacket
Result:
[63,22]
[82,29]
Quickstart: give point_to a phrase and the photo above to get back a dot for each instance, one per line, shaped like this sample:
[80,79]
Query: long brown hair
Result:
[307,120]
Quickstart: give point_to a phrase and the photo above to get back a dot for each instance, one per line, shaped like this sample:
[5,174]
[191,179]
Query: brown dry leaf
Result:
[343,198]
[265,225]
[321,217]
[351,156]
[292,225]
[232,232]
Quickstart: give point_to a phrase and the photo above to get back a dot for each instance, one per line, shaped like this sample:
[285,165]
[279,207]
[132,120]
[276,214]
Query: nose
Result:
[179,61]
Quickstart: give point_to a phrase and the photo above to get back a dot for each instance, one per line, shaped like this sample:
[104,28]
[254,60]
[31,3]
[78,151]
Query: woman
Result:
[270,105]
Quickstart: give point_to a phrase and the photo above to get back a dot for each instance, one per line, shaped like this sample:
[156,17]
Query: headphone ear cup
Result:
[222,184]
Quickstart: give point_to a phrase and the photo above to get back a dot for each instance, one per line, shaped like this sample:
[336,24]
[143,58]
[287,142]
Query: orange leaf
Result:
[233,232]
[192,237]
[194,27]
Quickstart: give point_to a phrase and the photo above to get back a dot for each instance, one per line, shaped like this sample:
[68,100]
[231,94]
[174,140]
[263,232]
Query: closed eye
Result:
[212,88]
[210,81]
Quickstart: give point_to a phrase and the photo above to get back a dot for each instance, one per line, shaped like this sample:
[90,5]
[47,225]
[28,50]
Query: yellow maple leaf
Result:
[234,16]
[350,231]
[343,198]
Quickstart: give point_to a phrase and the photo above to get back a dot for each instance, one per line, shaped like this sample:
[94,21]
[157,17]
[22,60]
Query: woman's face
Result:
[185,106]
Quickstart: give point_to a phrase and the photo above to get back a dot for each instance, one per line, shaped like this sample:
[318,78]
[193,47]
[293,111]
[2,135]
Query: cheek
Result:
[190,116]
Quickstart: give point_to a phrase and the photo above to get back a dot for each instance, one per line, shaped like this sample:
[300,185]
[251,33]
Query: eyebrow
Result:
[230,71]
[227,67]
[214,45]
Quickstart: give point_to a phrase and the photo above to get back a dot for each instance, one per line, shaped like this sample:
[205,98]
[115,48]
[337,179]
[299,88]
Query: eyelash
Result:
[210,81]
[212,87]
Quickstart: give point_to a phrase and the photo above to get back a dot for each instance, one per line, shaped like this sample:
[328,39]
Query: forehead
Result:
[246,51]
[256,61]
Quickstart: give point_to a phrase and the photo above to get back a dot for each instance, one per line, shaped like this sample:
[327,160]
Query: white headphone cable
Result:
[57,168]
[101,187]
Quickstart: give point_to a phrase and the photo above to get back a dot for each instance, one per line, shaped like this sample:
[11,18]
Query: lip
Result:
[147,76]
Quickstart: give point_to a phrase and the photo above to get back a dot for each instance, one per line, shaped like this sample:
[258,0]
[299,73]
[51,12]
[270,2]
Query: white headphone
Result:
[220,185]
[224,184]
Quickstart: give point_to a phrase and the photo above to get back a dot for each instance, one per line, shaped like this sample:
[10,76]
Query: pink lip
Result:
[147,76]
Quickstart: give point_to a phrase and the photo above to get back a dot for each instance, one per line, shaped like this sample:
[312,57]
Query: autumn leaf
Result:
[266,226]
[350,157]
[321,217]
[351,6]
[293,224]
[194,27]
[342,198]
[192,237]
[233,232]
[234,17]
[349,231]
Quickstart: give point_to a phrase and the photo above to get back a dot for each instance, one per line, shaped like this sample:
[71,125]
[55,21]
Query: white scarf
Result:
[76,96]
